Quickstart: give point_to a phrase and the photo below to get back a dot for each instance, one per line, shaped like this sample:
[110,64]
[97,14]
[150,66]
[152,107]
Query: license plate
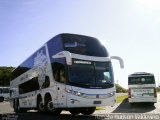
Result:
[97,102]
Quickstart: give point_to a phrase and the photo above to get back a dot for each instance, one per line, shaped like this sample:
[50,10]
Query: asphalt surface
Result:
[6,112]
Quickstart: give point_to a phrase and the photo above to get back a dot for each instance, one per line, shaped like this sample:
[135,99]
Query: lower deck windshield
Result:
[91,74]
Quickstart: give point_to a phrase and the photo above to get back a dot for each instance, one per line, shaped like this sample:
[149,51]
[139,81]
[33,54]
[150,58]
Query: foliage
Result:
[158,89]
[120,89]
[5,75]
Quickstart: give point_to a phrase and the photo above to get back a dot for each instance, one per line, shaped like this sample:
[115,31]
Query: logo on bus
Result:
[40,62]
[97,96]
[82,62]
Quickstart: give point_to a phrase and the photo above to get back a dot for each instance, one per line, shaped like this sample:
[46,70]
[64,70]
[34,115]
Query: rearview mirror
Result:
[119,59]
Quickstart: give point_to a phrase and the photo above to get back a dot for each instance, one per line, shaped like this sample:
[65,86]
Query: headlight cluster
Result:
[111,94]
[75,92]
[103,96]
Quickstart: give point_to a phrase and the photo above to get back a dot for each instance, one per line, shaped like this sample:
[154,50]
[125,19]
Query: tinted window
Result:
[82,73]
[59,72]
[91,74]
[83,45]
[46,83]
[103,73]
[29,86]
[141,80]
[26,65]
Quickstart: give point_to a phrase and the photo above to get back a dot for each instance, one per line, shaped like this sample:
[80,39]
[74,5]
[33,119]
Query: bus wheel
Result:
[41,107]
[51,109]
[1,99]
[88,111]
[151,104]
[16,106]
[131,104]
[74,111]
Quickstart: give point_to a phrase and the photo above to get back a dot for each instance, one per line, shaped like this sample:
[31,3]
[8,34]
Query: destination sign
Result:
[82,62]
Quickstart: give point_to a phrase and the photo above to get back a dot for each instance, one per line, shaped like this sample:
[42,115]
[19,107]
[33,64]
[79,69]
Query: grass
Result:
[100,108]
[118,100]
[158,90]
[121,98]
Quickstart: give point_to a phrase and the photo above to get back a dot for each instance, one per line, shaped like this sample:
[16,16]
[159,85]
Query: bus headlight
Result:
[69,91]
[79,94]
[111,94]
[74,92]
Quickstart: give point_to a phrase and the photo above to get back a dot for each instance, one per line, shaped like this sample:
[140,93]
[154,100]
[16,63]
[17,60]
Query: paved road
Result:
[118,108]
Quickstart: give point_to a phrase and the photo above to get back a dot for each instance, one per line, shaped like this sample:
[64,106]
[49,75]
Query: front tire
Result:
[1,99]
[51,109]
[74,111]
[17,108]
[88,111]
[41,107]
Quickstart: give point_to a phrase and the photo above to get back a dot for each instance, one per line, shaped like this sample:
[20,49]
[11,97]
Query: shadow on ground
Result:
[45,116]
[125,107]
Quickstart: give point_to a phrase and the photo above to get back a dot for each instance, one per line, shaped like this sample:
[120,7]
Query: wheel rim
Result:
[88,111]
[74,111]
[50,106]
[41,106]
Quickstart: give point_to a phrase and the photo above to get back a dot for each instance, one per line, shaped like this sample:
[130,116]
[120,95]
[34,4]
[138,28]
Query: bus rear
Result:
[4,93]
[142,88]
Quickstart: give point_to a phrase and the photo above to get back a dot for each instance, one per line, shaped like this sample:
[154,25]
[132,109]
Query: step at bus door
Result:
[61,95]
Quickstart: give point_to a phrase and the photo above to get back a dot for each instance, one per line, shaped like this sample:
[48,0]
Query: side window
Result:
[107,77]
[46,83]
[29,86]
[59,72]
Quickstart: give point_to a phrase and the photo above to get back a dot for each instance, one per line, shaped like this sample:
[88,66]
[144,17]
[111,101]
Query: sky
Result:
[129,29]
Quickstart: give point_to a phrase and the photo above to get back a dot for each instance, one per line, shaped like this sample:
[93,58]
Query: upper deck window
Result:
[83,45]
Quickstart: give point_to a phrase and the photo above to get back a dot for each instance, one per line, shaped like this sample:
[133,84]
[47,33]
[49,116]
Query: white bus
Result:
[142,88]
[4,93]
[70,72]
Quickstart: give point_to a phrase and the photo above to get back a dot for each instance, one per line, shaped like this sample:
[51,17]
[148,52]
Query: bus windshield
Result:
[83,45]
[141,80]
[91,74]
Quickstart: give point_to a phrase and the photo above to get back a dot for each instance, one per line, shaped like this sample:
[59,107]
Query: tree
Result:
[120,89]
[5,75]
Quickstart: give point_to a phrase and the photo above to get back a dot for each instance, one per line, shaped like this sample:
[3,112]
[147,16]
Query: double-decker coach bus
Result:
[142,88]
[70,72]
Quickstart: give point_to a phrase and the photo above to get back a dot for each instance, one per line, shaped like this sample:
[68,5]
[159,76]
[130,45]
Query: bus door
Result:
[60,78]
[61,95]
